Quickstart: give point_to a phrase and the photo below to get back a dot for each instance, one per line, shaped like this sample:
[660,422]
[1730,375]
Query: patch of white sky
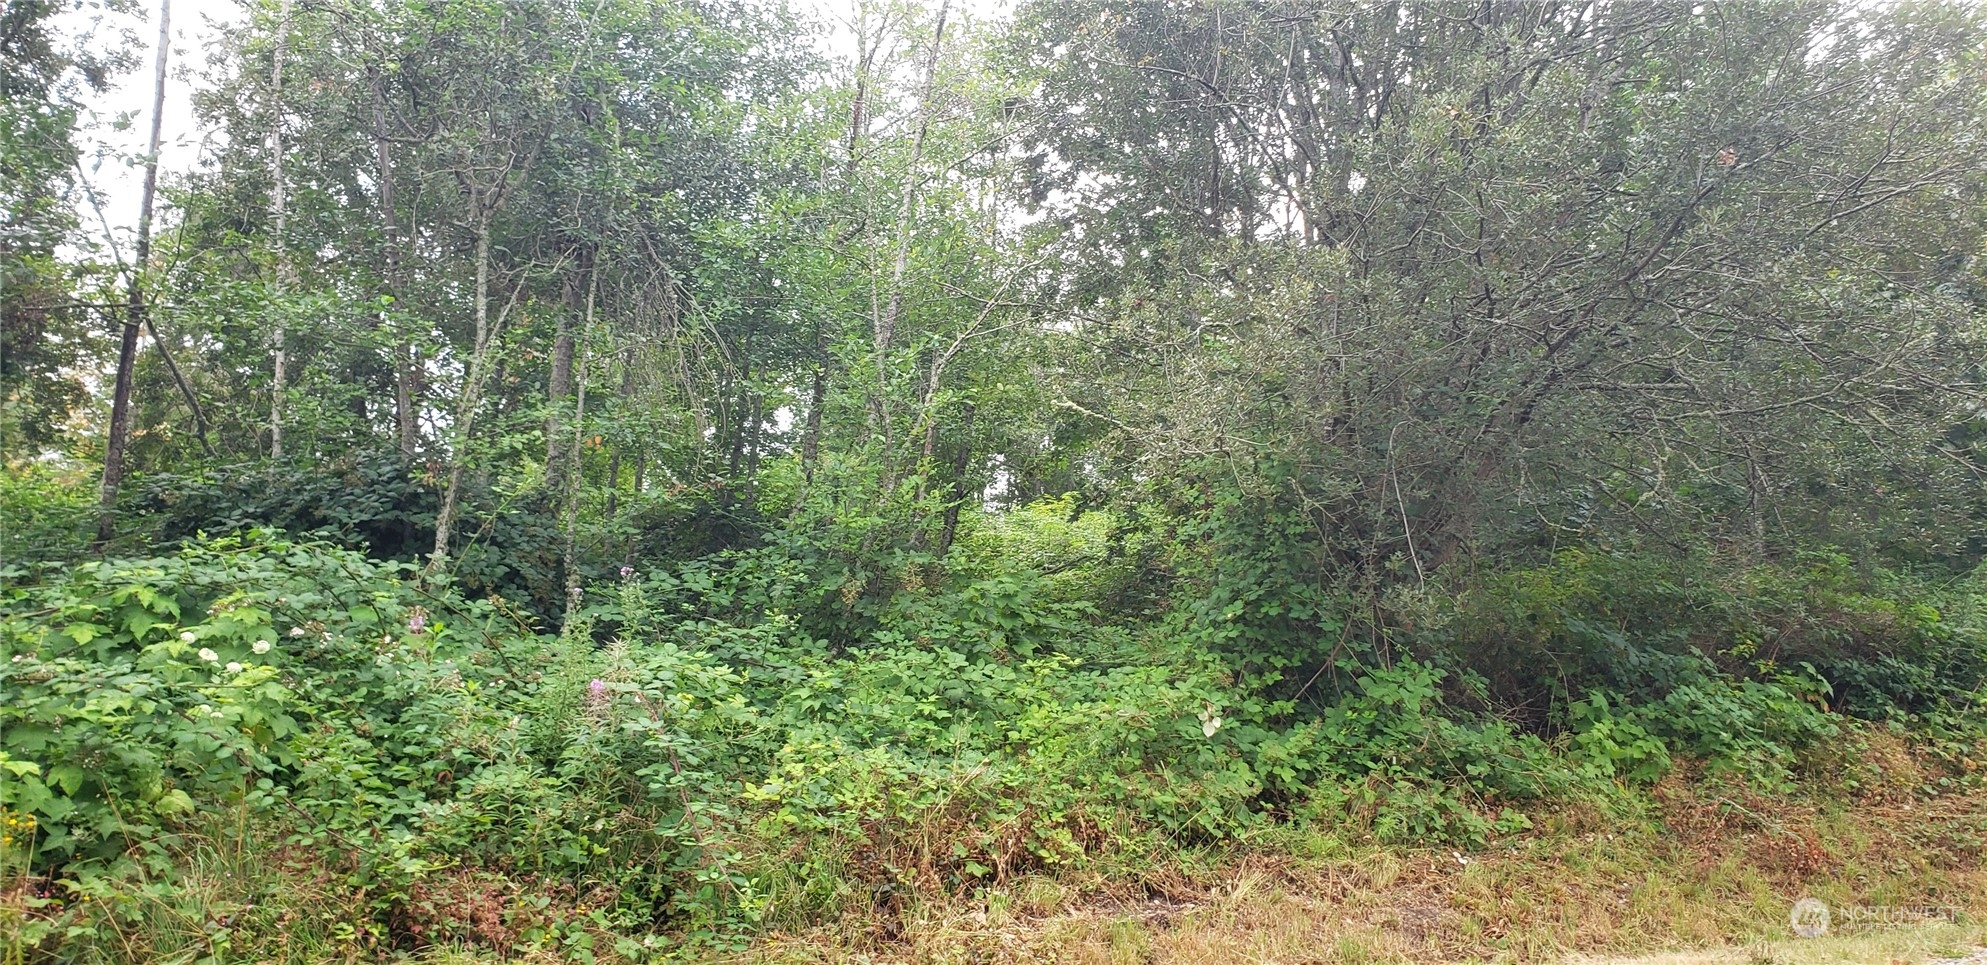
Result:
[116,122]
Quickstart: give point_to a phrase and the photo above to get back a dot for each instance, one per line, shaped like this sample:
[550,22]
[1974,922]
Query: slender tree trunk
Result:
[134,316]
[893,306]
[279,218]
[639,483]
[179,380]
[886,326]
[753,447]
[471,391]
[406,366]
[810,441]
[577,290]
[560,385]
[962,459]
[120,431]
[744,410]
[572,477]
[613,481]
[614,457]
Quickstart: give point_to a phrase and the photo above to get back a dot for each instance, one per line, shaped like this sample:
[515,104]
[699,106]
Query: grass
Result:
[1707,874]
[1695,869]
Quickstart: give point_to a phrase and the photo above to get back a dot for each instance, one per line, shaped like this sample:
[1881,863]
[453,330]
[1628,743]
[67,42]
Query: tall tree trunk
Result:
[744,410]
[134,314]
[893,306]
[465,415]
[406,366]
[577,291]
[614,457]
[886,325]
[758,423]
[817,401]
[962,458]
[279,219]
[640,481]
[571,476]
[613,480]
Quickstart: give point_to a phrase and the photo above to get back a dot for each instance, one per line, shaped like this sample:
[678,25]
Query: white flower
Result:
[234,667]
[209,655]
[186,636]
[296,631]
[261,646]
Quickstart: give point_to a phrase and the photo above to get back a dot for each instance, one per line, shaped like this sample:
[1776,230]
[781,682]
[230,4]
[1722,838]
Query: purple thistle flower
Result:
[596,701]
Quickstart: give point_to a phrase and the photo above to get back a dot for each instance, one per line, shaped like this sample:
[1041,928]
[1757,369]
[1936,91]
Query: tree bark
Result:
[570,493]
[613,481]
[614,456]
[577,294]
[406,366]
[962,459]
[886,326]
[134,315]
[179,380]
[817,402]
[471,395]
[279,218]
[893,308]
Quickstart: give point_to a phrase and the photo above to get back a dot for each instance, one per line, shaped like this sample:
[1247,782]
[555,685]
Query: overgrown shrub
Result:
[508,545]
[689,756]
[1872,643]
[1415,769]
[291,682]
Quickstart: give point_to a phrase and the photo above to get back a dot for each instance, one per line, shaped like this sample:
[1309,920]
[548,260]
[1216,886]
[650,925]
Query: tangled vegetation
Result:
[619,482]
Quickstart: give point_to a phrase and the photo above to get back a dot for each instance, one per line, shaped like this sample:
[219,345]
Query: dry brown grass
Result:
[1710,874]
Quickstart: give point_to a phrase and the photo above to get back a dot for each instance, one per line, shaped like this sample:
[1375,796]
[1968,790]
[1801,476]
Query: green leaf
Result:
[68,777]
[174,802]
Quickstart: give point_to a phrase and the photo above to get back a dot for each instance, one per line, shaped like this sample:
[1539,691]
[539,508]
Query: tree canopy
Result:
[1260,386]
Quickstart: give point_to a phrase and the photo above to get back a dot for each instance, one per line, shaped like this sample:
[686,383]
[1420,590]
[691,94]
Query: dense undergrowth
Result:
[708,751]
[641,479]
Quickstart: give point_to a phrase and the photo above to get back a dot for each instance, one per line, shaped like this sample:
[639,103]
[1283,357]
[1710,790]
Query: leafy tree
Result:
[44,336]
[1477,279]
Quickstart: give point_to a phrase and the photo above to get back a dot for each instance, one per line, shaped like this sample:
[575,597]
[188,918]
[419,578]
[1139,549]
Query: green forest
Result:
[1211,481]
